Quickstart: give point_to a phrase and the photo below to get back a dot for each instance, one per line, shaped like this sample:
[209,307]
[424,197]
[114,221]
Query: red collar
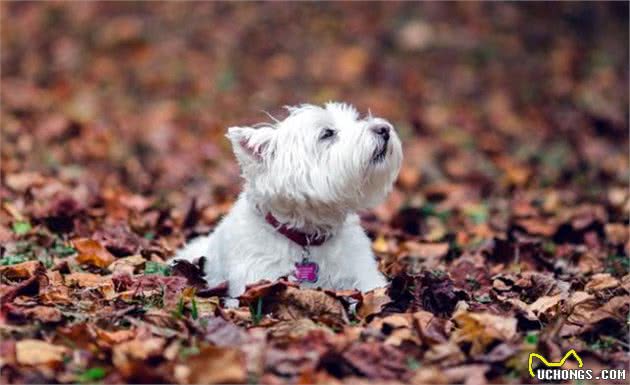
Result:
[301,238]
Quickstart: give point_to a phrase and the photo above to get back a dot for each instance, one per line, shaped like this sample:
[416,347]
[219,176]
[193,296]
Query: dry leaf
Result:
[22,270]
[538,226]
[127,265]
[92,252]
[36,352]
[88,280]
[373,302]
[125,353]
[214,365]
[318,305]
[602,281]
[481,329]
[427,250]
[545,305]
[111,338]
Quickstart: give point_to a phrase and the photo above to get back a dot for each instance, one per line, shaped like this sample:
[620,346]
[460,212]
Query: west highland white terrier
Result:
[305,179]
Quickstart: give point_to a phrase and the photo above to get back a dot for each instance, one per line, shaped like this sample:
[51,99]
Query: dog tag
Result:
[306,271]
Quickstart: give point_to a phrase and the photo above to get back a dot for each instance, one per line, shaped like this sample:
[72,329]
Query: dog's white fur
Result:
[308,182]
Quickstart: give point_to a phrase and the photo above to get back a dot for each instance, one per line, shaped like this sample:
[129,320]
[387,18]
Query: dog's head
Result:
[319,158]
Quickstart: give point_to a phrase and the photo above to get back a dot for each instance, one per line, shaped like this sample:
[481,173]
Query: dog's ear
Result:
[251,145]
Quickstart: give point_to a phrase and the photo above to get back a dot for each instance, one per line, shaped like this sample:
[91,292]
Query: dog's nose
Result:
[381,130]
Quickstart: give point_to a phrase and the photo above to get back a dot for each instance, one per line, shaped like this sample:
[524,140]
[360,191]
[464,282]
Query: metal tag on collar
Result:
[306,271]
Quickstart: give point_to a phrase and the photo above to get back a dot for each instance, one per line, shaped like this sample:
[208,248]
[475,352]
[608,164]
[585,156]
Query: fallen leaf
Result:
[22,270]
[127,265]
[263,289]
[111,338]
[193,273]
[295,329]
[617,233]
[36,352]
[481,329]
[616,309]
[539,226]
[45,314]
[436,292]
[426,250]
[377,361]
[468,374]
[92,253]
[124,354]
[373,303]
[214,365]
[429,375]
[602,281]
[23,180]
[545,305]
[221,332]
[447,354]
[315,304]
[120,240]
[88,280]
[432,329]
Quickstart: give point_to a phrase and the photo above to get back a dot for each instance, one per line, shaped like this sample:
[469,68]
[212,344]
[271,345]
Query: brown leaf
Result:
[427,250]
[314,304]
[138,349]
[582,305]
[468,374]
[36,352]
[127,265]
[432,329]
[615,309]
[481,329]
[447,353]
[57,294]
[23,180]
[373,303]
[263,289]
[617,233]
[22,270]
[436,293]
[30,286]
[111,338]
[546,305]
[221,332]
[537,226]
[45,314]
[193,273]
[429,375]
[602,281]
[92,253]
[214,365]
[88,280]
[522,309]
[293,330]
[397,327]
[377,361]
[120,240]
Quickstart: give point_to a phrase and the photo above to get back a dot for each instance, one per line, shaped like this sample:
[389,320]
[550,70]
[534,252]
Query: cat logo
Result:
[553,364]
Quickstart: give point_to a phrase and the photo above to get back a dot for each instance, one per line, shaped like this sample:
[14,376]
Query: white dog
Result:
[305,178]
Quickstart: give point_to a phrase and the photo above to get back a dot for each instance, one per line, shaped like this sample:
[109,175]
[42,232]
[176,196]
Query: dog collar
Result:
[301,238]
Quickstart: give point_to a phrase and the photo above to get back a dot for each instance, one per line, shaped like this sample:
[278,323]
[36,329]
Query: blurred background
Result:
[489,98]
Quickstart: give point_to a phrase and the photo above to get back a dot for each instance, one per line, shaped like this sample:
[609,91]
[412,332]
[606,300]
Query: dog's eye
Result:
[326,133]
